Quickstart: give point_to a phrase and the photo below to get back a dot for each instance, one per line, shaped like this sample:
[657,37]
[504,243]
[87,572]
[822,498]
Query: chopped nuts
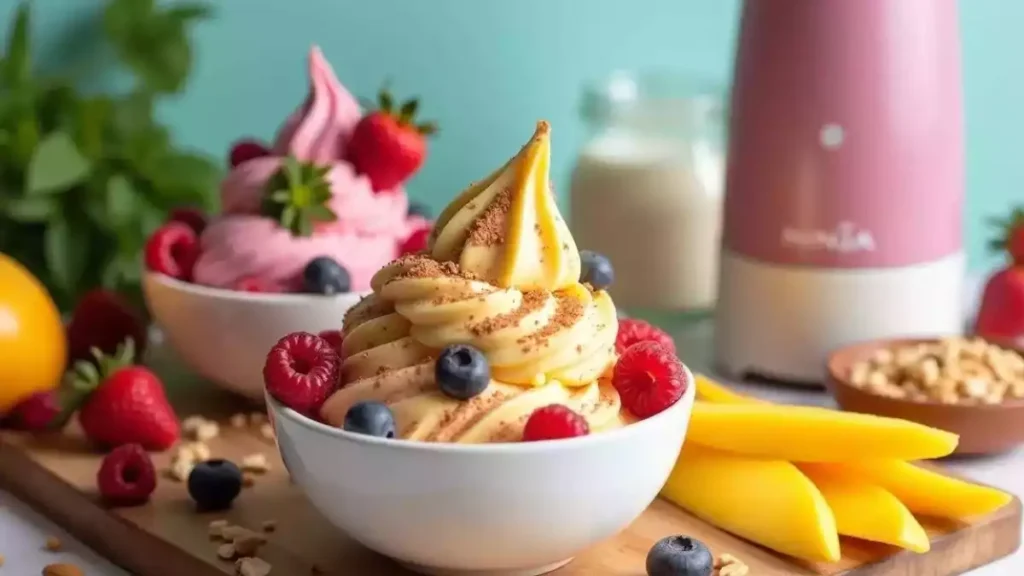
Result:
[249,544]
[256,463]
[252,567]
[216,528]
[53,544]
[267,431]
[239,421]
[226,551]
[729,565]
[950,371]
[238,540]
[200,429]
[62,569]
[181,468]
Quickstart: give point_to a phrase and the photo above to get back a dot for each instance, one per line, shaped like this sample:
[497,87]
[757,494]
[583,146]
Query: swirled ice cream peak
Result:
[318,130]
[506,229]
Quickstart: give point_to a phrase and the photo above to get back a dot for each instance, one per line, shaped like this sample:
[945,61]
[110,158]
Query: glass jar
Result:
[647,191]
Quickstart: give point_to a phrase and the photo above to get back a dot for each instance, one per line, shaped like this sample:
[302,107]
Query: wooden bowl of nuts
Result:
[966,386]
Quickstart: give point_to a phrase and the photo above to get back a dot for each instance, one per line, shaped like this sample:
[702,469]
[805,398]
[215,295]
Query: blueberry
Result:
[418,209]
[596,270]
[462,371]
[370,418]
[679,556]
[214,484]
[325,276]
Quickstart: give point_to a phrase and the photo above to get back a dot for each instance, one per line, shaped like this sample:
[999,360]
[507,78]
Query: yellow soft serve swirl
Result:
[501,273]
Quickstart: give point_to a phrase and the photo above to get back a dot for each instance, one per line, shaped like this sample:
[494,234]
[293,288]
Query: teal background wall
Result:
[487,69]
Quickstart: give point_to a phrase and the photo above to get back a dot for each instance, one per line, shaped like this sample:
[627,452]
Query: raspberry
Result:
[649,379]
[302,370]
[36,412]
[554,422]
[632,331]
[126,476]
[416,242]
[173,250]
[245,150]
[334,338]
[103,320]
[194,218]
[253,284]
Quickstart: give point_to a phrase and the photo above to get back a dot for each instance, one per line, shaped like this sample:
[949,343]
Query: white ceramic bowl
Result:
[224,335]
[494,509]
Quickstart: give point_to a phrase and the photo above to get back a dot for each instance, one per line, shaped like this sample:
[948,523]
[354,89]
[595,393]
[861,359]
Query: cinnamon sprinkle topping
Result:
[532,301]
[568,311]
[489,228]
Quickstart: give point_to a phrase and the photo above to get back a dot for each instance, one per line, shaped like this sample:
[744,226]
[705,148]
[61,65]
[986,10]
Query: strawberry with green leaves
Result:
[297,197]
[388,145]
[1001,313]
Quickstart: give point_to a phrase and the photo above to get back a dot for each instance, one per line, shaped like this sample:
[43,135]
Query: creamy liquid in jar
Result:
[653,206]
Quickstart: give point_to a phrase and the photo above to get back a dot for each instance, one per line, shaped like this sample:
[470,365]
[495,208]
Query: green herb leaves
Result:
[296,197]
[85,178]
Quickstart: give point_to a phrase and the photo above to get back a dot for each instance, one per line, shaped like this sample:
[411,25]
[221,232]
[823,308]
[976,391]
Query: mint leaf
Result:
[187,11]
[55,166]
[17,68]
[29,209]
[121,202]
[186,178]
[65,247]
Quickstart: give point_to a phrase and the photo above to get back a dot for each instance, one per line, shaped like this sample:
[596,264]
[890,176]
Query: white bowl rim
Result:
[238,295]
[497,448]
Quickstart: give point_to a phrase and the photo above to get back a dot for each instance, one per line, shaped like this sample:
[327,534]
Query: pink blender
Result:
[845,182]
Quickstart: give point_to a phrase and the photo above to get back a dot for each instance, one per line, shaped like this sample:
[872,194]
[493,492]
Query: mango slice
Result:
[810,434]
[927,492]
[769,502]
[867,511]
[711,391]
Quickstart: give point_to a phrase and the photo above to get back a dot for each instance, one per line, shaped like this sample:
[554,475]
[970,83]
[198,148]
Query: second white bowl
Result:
[493,509]
[224,335]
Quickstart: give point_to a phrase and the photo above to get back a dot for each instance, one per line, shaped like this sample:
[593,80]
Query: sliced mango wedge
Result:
[810,434]
[711,391]
[766,501]
[867,511]
[927,492]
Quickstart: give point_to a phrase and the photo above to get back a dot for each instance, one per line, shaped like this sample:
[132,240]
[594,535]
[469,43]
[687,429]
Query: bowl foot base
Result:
[536,571]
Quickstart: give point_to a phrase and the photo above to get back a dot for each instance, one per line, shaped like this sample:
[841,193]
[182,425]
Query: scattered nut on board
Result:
[237,540]
[62,569]
[239,421]
[729,565]
[200,429]
[252,567]
[226,551]
[216,528]
[257,418]
[950,371]
[267,431]
[256,463]
[53,544]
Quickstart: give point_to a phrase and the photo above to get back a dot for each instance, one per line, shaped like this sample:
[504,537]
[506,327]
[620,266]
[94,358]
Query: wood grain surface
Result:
[167,537]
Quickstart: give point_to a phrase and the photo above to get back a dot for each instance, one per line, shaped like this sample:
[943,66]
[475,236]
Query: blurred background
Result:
[487,70]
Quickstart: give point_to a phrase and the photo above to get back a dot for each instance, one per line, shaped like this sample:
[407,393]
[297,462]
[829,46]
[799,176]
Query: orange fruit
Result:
[33,348]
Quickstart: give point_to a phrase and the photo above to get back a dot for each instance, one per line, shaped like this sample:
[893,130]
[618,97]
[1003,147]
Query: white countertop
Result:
[23,532]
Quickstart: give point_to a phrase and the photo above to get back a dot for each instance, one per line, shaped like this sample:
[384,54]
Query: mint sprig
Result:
[297,195]
[85,177]
[1005,227]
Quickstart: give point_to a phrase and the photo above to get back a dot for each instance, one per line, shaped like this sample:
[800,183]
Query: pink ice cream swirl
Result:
[369,229]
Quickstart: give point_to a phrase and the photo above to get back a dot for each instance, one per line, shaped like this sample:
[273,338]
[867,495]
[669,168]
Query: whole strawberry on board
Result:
[387,145]
[122,403]
[1001,312]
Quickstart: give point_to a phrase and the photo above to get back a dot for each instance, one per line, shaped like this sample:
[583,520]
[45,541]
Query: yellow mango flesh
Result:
[712,391]
[867,511]
[810,434]
[927,492]
[769,502]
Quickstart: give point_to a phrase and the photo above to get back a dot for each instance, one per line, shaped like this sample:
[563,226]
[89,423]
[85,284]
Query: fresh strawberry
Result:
[193,217]
[173,250]
[126,476]
[554,422]
[35,413]
[416,242]
[301,372]
[103,320]
[245,150]
[334,338]
[649,379]
[1001,312]
[632,331]
[1011,236]
[387,145]
[125,404]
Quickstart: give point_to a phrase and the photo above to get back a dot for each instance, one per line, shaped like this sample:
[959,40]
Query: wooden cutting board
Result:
[167,537]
